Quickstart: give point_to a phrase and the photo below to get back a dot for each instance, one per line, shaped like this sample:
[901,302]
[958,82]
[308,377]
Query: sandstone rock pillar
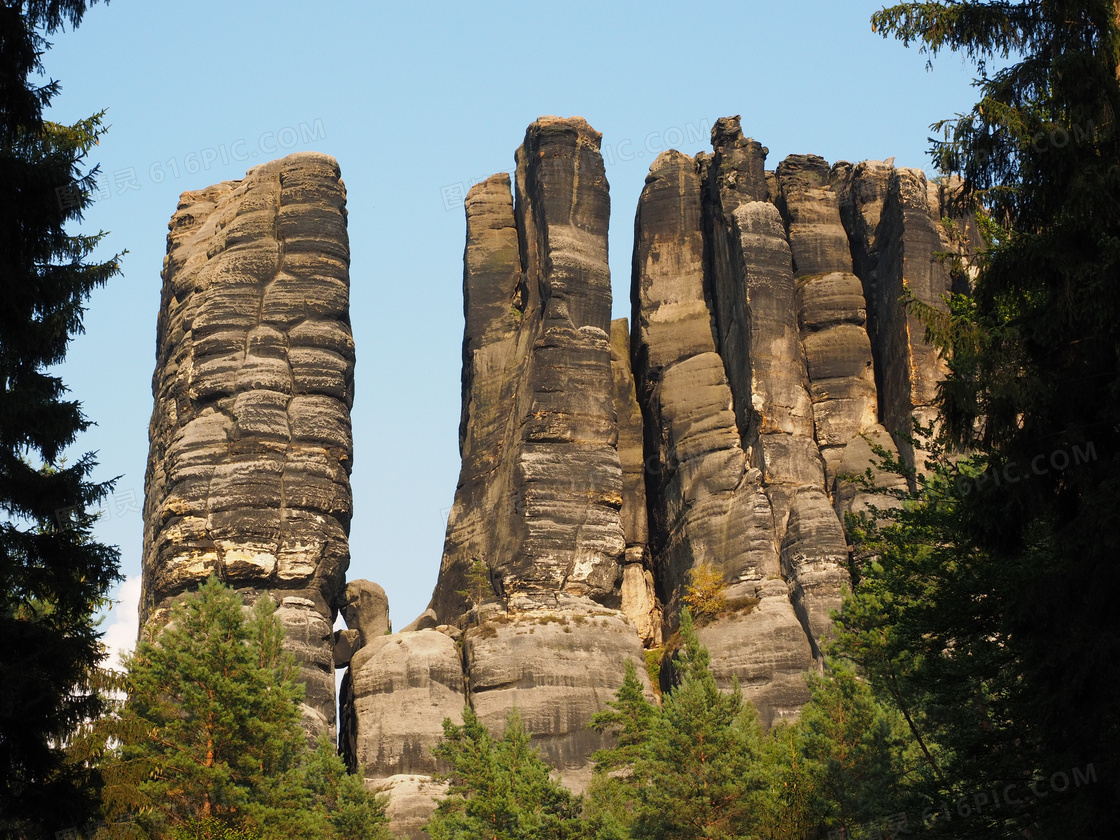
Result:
[896,249]
[250,443]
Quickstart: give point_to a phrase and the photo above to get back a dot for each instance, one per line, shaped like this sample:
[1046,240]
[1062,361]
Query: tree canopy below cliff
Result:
[993,599]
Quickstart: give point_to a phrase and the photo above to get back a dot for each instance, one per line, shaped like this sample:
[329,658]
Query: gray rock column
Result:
[896,246]
[754,295]
[250,443]
[708,507]
[540,537]
[832,314]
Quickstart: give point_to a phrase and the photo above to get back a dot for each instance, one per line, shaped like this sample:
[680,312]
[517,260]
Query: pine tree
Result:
[929,625]
[855,750]
[53,574]
[629,717]
[786,804]
[500,789]
[613,790]
[1027,634]
[699,773]
[210,740]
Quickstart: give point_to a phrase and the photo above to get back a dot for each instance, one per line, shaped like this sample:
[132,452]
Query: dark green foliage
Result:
[630,718]
[853,750]
[210,737]
[698,773]
[500,789]
[699,766]
[1021,562]
[786,803]
[53,575]
[931,624]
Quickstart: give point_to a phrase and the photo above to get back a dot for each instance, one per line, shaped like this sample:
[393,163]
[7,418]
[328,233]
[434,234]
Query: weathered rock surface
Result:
[540,491]
[412,801]
[707,508]
[250,444]
[769,348]
[549,517]
[755,303]
[832,315]
[366,610]
[896,241]
[557,668]
[402,687]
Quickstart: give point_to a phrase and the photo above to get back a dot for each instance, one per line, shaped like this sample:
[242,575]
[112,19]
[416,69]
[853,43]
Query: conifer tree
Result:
[629,717]
[855,751]
[209,736]
[53,574]
[613,789]
[500,789]
[699,774]
[789,786]
[1006,616]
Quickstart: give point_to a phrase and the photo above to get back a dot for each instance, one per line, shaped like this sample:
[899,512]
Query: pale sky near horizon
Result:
[417,102]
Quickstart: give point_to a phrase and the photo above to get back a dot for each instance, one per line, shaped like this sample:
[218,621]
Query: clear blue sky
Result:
[416,102]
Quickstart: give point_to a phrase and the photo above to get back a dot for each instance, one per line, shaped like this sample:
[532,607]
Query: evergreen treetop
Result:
[500,789]
[53,574]
[210,739]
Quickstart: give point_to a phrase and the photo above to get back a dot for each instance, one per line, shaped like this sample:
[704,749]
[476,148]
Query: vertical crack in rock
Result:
[770,347]
[896,242]
[754,297]
[250,441]
[639,596]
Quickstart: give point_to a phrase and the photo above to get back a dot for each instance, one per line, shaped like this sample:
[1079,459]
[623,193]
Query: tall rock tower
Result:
[544,551]
[769,348]
[250,443]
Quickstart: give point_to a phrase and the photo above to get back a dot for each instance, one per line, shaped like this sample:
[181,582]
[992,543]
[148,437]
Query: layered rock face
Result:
[250,444]
[709,506]
[546,542]
[892,216]
[769,347]
[602,463]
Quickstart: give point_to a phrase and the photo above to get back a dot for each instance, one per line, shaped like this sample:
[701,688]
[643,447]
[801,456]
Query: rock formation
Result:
[528,608]
[603,462]
[770,347]
[250,445]
[708,505]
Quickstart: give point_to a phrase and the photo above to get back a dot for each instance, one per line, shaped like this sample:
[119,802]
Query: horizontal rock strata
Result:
[546,572]
[250,443]
[604,463]
[769,351]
